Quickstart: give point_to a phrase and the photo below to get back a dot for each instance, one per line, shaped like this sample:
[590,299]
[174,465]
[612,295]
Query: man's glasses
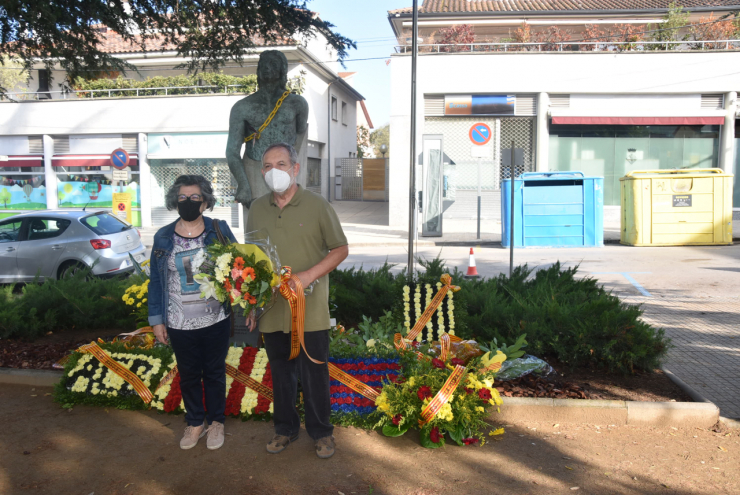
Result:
[193,197]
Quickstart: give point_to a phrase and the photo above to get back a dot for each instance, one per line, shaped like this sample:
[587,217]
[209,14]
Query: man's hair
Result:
[291,151]
[206,191]
[273,56]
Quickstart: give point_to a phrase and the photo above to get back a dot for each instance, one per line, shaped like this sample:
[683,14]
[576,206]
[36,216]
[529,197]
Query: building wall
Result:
[653,75]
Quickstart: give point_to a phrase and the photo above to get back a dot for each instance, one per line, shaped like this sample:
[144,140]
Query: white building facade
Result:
[55,152]
[604,111]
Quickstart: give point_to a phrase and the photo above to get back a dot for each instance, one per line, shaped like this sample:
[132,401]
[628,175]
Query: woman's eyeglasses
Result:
[193,197]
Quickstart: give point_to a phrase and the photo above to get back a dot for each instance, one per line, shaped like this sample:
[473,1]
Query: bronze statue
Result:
[250,121]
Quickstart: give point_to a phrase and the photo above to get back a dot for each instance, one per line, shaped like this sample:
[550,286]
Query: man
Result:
[288,125]
[309,238]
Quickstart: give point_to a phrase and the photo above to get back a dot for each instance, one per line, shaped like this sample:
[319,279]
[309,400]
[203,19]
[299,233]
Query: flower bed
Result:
[370,371]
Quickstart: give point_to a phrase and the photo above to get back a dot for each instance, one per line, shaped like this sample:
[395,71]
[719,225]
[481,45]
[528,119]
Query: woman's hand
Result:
[251,321]
[161,333]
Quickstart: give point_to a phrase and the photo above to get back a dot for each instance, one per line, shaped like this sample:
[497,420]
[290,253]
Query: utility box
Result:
[676,207]
[554,209]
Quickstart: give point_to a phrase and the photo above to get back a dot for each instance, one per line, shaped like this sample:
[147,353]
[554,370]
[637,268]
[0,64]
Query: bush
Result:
[76,302]
[355,293]
[572,319]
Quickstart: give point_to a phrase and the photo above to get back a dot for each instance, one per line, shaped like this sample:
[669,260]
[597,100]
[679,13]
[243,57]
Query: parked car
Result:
[52,244]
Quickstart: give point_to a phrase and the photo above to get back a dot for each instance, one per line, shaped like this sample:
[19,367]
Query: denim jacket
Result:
[158,297]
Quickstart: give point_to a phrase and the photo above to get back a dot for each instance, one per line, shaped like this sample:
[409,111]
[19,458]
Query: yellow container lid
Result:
[682,172]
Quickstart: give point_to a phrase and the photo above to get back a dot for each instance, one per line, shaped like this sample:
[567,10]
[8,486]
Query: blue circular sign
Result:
[480,134]
[119,159]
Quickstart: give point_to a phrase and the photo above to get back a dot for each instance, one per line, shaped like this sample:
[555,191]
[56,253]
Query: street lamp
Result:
[384,149]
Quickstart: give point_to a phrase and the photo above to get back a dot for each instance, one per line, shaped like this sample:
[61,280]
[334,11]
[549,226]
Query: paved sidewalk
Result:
[706,344]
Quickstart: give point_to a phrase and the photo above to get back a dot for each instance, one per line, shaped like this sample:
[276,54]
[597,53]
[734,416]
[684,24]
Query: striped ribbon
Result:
[442,396]
[403,343]
[352,382]
[167,378]
[117,368]
[249,382]
[444,342]
[297,301]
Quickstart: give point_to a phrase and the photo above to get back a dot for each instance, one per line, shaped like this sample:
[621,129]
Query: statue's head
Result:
[272,68]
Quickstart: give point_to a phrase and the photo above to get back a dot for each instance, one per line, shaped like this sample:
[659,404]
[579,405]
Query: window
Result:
[333,108]
[10,231]
[344,113]
[22,188]
[46,228]
[104,224]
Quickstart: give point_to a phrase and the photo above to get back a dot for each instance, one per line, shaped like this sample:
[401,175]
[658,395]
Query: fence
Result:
[575,46]
[363,179]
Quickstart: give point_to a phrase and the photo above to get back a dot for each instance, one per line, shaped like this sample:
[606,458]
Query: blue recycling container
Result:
[554,209]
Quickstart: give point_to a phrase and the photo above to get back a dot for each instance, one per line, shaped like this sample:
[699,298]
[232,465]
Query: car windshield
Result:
[103,223]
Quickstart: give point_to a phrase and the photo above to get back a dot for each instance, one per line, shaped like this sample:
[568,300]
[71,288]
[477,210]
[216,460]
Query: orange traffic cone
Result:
[472,270]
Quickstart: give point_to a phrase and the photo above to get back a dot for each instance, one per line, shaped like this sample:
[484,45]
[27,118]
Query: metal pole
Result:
[511,224]
[479,178]
[412,171]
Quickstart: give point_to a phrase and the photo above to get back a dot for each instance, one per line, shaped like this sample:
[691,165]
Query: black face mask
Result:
[189,210]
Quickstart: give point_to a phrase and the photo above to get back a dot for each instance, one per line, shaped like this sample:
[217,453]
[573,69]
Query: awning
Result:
[88,160]
[638,120]
[22,161]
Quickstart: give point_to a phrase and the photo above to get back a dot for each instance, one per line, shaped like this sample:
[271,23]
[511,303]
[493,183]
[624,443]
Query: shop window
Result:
[22,189]
[93,187]
[612,151]
[333,108]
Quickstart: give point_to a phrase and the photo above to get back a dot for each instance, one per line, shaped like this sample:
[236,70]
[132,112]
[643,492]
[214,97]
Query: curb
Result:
[687,389]
[34,378]
[612,412]
[517,409]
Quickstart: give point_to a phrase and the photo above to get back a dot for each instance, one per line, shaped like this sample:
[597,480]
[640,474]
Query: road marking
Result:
[629,278]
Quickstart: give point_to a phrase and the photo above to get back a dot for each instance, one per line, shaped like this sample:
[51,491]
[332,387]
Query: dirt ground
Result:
[87,450]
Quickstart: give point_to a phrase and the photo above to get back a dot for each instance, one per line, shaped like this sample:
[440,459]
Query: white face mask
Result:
[278,180]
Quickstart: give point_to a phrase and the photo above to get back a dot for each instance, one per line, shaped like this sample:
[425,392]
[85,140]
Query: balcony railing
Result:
[575,46]
[88,94]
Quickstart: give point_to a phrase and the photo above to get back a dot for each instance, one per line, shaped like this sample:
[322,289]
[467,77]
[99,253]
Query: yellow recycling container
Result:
[676,207]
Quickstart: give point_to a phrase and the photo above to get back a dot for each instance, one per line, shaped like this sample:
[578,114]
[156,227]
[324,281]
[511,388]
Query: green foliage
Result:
[75,302]
[512,351]
[669,30]
[356,293]
[380,136]
[203,82]
[370,339]
[204,35]
[572,319]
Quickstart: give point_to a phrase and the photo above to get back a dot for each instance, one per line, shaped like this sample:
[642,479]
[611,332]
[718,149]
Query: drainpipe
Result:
[328,139]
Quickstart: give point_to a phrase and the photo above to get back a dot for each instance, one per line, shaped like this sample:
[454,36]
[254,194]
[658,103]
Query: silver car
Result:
[54,243]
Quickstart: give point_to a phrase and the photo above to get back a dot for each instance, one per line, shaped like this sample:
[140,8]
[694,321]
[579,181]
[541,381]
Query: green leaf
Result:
[427,442]
[457,435]
[265,287]
[391,430]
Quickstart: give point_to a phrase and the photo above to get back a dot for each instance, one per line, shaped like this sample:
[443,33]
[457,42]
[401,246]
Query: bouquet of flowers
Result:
[401,403]
[244,274]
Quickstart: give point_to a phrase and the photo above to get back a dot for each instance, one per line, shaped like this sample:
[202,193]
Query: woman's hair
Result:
[190,180]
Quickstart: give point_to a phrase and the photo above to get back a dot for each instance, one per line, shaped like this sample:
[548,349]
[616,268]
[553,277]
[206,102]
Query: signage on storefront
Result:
[119,159]
[480,104]
[122,206]
[187,145]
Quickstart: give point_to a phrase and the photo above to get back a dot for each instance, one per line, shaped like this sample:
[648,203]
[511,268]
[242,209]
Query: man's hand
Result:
[305,279]
[243,195]
[161,333]
[251,321]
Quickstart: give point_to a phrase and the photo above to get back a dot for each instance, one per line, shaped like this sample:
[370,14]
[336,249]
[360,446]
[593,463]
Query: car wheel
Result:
[72,268]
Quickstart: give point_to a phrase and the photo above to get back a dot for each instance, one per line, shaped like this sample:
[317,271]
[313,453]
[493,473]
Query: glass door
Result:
[433,186]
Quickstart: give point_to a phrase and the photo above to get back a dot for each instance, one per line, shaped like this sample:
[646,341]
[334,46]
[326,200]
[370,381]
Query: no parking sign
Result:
[122,206]
[480,134]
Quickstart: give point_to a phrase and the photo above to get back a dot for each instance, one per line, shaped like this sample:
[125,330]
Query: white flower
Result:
[198,260]
[219,274]
[207,286]
[223,261]
[371,343]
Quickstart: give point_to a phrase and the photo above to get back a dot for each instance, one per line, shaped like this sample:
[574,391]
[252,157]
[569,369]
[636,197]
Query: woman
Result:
[198,329]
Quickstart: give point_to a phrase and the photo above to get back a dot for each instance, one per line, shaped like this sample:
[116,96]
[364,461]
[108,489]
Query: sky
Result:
[366,23]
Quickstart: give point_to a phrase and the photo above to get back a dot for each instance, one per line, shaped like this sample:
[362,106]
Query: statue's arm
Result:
[233,156]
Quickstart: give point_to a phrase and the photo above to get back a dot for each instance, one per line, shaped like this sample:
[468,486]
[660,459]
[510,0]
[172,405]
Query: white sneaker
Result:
[215,436]
[192,435]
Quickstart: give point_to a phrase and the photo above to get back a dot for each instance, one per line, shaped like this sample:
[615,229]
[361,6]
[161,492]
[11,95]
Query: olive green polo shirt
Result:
[303,232]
